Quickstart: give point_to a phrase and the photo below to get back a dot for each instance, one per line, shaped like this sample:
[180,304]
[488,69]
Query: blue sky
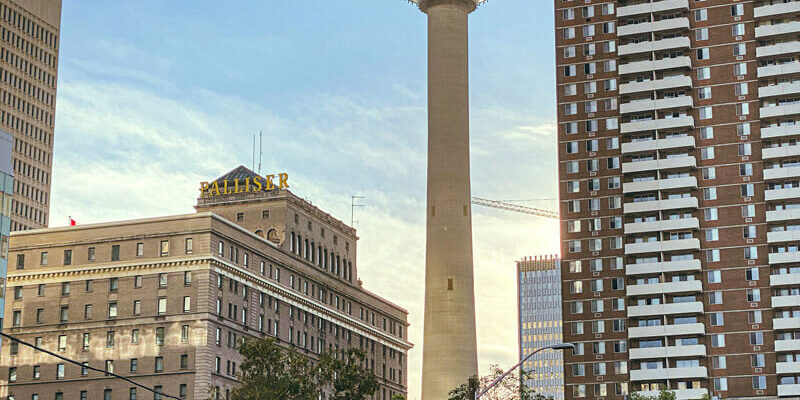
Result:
[155,97]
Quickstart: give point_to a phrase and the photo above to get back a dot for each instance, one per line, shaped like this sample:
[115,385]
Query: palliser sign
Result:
[244,185]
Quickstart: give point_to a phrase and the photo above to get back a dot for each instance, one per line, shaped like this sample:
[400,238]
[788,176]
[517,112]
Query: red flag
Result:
[72,222]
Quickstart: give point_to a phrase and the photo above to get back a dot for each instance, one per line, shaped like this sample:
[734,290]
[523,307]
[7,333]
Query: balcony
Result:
[666,330]
[780,69]
[782,172]
[657,6]
[660,184]
[656,45]
[778,49]
[779,111]
[675,142]
[656,26]
[660,205]
[781,194]
[784,258]
[783,215]
[783,236]
[660,164]
[784,279]
[663,245]
[662,267]
[665,287]
[780,89]
[788,390]
[660,104]
[777,29]
[657,65]
[787,367]
[686,121]
[670,82]
[787,345]
[680,394]
[778,152]
[694,307]
[776,9]
[785,301]
[668,373]
[663,225]
[669,351]
[778,131]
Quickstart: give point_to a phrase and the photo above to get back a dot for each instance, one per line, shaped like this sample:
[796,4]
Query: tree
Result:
[271,372]
[509,388]
[398,397]
[663,395]
[343,373]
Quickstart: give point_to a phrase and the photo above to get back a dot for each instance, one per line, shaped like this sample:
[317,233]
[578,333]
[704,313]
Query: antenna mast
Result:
[260,150]
[353,206]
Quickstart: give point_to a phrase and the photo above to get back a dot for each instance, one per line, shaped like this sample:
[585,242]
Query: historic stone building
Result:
[165,301]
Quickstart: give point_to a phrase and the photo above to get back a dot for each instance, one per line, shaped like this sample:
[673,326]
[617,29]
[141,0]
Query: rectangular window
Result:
[115,252]
[67,257]
[139,249]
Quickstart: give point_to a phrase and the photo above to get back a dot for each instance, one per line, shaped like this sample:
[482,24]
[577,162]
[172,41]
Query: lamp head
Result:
[563,346]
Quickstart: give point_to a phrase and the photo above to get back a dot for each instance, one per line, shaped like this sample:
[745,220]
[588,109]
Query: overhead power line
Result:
[87,366]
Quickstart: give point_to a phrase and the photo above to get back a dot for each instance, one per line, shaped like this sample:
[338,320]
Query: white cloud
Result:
[125,152]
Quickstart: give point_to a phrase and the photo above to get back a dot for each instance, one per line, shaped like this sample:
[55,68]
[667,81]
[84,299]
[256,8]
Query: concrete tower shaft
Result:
[449,344]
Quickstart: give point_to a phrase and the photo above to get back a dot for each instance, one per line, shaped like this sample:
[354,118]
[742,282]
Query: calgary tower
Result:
[449,349]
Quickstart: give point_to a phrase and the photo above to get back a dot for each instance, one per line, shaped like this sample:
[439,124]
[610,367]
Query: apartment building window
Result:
[596,306]
[162,280]
[577,287]
[107,392]
[574,246]
[569,33]
[579,391]
[110,338]
[20,261]
[570,70]
[715,297]
[719,362]
[578,370]
[112,309]
[12,374]
[609,46]
[59,371]
[757,360]
[704,93]
[753,294]
[707,132]
[759,382]
[576,307]
[65,288]
[86,340]
[703,53]
[738,30]
[139,249]
[590,68]
[588,30]
[710,193]
[745,149]
[706,153]
[160,335]
[751,274]
[718,340]
[64,314]
[159,364]
[701,34]
[113,284]
[703,73]
[714,276]
[589,49]
[709,173]
[137,307]
[89,285]
[717,319]
[162,305]
[115,252]
[185,333]
[748,211]
[164,248]
[573,187]
[182,390]
[706,112]
[184,361]
[16,318]
[743,129]
[84,371]
[571,108]
[591,125]
[593,184]
[67,257]
[43,258]
[609,27]
[187,304]
[743,109]
[749,232]
[720,384]
[609,66]
[737,10]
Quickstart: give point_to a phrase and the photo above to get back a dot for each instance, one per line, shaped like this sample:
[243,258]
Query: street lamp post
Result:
[560,346]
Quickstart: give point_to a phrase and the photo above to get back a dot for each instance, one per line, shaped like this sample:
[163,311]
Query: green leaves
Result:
[272,372]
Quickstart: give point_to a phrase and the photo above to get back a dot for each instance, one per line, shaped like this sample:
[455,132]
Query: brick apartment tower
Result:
[29,37]
[679,173]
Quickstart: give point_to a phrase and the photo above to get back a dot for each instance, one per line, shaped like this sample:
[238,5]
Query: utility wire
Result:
[87,366]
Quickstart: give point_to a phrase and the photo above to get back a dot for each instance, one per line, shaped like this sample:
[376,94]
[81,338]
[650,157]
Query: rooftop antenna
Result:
[254,151]
[353,205]
[260,150]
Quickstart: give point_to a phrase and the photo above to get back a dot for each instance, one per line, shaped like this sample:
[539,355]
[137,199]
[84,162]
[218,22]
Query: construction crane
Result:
[515,208]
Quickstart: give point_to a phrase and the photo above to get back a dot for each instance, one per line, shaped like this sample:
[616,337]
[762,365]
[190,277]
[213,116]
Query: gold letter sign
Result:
[254,184]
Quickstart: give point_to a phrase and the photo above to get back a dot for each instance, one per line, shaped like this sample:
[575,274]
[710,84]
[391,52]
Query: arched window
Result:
[305,250]
[350,271]
[299,251]
[338,265]
[319,256]
[294,243]
[344,268]
[326,259]
[313,253]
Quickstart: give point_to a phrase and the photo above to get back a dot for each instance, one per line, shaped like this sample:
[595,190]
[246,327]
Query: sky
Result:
[157,96]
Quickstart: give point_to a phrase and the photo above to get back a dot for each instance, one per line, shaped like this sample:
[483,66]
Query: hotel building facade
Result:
[539,291]
[29,39]
[165,301]
[678,170]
